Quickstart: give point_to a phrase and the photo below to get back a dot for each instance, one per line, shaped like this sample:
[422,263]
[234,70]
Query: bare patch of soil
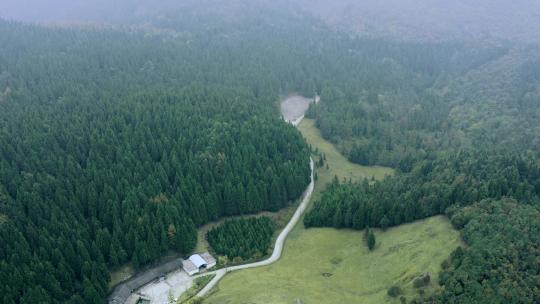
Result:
[294,106]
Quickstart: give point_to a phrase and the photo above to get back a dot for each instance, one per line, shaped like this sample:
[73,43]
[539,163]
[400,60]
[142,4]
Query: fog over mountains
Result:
[405,19]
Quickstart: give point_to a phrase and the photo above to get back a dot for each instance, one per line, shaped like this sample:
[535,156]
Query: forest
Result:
[242,239]
[117,142]
[463,136]
[429,189]
[103,163]
[501,263]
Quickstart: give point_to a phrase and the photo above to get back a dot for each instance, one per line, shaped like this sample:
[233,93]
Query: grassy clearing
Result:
[334,266]
[338,165]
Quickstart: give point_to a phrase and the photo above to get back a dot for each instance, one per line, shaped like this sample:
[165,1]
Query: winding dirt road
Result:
[294,118]
[278,247]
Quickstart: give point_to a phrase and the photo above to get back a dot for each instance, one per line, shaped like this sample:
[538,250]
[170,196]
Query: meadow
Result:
[338,165]
[325,265]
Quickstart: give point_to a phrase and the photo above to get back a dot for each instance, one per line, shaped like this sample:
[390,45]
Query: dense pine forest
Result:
[242,239]
[430,188]
[117,141]
[426,99]
[501,264]
[109,156]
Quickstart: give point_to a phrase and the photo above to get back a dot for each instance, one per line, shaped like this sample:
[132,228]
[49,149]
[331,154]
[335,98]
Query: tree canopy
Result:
[109,156]
[244,238]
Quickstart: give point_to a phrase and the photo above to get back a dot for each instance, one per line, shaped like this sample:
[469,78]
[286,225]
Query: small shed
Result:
[198,262]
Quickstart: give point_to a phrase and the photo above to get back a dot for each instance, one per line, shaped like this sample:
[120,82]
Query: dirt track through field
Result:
[292,109]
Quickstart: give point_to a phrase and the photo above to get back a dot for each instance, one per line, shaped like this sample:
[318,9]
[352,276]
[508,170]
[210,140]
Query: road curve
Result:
[278,247]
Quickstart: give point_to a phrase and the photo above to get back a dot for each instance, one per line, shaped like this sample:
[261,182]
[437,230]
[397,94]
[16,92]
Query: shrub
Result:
[394,291]
[371,240]
[422,281]
[445,264]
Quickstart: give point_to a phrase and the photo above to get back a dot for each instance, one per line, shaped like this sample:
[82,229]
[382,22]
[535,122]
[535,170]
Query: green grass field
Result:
[338,165]
[326,265]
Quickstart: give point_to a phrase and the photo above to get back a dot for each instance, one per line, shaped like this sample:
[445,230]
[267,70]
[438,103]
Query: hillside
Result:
[125,127]
[115,164]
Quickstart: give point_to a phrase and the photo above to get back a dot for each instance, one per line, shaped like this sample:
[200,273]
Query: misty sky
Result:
[502,19]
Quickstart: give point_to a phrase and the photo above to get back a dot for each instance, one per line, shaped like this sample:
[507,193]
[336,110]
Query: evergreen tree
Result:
[242,238]
[370,239]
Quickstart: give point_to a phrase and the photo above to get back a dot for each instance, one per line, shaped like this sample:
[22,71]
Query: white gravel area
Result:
[177,282]
[294,107]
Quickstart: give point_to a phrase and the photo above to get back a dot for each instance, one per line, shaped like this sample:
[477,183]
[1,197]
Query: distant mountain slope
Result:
[499,91]
[434,19]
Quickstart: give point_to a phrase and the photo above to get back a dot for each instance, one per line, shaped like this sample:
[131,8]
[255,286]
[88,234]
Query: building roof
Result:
[208,258]
[189,266]
[197,260]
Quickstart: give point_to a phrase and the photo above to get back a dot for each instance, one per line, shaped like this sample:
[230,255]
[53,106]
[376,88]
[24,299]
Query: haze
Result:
[406,19]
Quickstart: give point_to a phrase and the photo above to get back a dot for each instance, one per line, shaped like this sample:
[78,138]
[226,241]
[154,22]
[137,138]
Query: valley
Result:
[334,266]
[320,151]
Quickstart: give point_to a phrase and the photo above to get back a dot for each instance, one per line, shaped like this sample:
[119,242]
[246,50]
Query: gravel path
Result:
[278,247]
